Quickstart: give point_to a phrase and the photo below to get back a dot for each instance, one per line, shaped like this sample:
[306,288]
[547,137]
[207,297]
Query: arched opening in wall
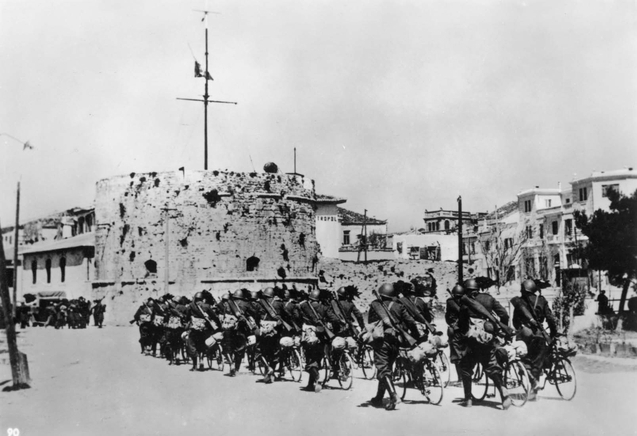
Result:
[446,224]
[34,270]
[252,264]
[47,266]
[151,266]
[62,269]
[80,225]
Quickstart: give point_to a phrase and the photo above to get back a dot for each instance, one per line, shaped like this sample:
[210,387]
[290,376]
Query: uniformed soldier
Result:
[318,319]
[271,330]
[175,320]
[475,311]
[529,313]
[417,308]
[235,340]
[98,313]
[144,319]
[203,324]
[457,346]
[394,316]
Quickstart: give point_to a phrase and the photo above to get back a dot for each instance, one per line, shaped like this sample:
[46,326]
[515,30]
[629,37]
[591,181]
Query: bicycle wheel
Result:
[480,383]
[346,371]
[404,381]
[367,363]
[294,365]
[517,382]
[563,376]
[325,371]
[444,367]
[432,383]
[261,364]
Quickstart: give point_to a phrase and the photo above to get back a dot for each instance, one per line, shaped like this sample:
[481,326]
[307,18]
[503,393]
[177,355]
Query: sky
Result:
[397,106]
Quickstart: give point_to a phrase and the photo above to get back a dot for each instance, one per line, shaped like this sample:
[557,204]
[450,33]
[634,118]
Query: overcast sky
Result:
[398,106]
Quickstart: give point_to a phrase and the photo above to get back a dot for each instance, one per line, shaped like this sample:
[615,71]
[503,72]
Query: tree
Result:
[501,246]
[612,240]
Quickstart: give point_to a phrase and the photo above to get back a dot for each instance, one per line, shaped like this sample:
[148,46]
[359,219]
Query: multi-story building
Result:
[446,221]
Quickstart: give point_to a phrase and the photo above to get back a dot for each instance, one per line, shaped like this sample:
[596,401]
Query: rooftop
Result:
[600,176]
[350,217]
[83,240]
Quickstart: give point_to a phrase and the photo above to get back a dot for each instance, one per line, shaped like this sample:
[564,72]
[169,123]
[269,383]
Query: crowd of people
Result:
[322,323]
[72,314]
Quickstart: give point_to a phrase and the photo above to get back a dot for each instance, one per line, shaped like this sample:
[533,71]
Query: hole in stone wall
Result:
[151,266]
[252,263]
[281,272]
[302,240]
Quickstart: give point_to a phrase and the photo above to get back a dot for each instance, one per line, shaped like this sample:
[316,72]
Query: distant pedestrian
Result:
[98,313]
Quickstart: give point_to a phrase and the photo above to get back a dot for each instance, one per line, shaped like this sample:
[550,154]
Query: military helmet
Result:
[225,296]
[341,292]
[529,286]
[287,294]
[198,297]
[239,294]
[470,285]
[268,292]
[386,290]
[315,295]
[457,291]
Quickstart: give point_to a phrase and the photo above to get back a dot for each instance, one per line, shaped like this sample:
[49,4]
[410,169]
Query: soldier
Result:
[85,311]
[529,313]
[395,318]
[98,310]
[175,321]
[144,319]
[203,324]
[457,347]
[24,315]
[273,327]
[236,337]
[477,323]
[417,308]
[318,319]
[346,312]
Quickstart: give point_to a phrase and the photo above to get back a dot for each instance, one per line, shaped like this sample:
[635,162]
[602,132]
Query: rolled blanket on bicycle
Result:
[520,348]
[229,322]
[184,336]
[480,330]
[210,342]
[198,324]
[422,351]
[174,322]
[309,334]
[218,336]
[351,343]
[297,341]
[158,321]
[339,343]
[144,317]
[286,342]
[268,328]
[438,341]
[252,339]
[565,349]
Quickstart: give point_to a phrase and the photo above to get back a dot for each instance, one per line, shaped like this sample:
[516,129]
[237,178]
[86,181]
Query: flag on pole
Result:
[27,146]
[208,76]
[198,72]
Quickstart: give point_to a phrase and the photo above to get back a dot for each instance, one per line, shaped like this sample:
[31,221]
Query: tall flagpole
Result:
[206,99]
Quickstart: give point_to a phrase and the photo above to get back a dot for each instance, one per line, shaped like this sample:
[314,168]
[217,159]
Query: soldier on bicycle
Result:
[529,313]
[203,324]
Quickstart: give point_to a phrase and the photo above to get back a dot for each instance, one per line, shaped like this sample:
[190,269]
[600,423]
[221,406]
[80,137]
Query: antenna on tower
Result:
[206,75]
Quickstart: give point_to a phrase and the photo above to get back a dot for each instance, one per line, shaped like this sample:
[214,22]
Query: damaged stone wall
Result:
[226,230]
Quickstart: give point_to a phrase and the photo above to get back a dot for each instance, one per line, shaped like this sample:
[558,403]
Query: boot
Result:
[194,363]
[393,398]
[377,401]
[311,384]
[504,394]
[466,385]
[533,390]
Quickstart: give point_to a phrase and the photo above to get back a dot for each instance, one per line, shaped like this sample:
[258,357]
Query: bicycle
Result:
[422,375]
[345,369]
[215,357]
[444,366]
[290,359]
[364,360]
[515,379]
[560,371]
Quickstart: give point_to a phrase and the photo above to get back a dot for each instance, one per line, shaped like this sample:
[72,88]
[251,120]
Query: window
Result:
[547,203]
[508,243]
[252,264]
[62,269]
[446,224]
[607,188]
[34,270]
[541,231]
[487,246]
[527,206]
[568,227]
[151,266]
[529,232]
[346,237]
[399,247]
[555,226]
[568,201]
[583,194]
[47,266]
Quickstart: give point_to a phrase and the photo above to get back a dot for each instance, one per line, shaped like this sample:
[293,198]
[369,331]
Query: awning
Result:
[52,294]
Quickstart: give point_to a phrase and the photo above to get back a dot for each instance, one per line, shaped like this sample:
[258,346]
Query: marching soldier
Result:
[529,313]
[273,327]
[144,319]
[479,326]
[98,313]
[318,319]
[457,347]
[236,338]
[394,316]
[203,324]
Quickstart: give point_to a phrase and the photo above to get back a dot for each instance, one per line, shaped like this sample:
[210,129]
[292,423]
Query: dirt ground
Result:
[95,382]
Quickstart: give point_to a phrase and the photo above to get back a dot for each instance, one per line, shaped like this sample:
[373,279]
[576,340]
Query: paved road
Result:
[96,382]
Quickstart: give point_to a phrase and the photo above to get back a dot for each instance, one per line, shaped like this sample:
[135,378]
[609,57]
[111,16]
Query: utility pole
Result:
[205,100]
[19,365]
[15,251]
[166,210]
[460,278]
[363,245]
